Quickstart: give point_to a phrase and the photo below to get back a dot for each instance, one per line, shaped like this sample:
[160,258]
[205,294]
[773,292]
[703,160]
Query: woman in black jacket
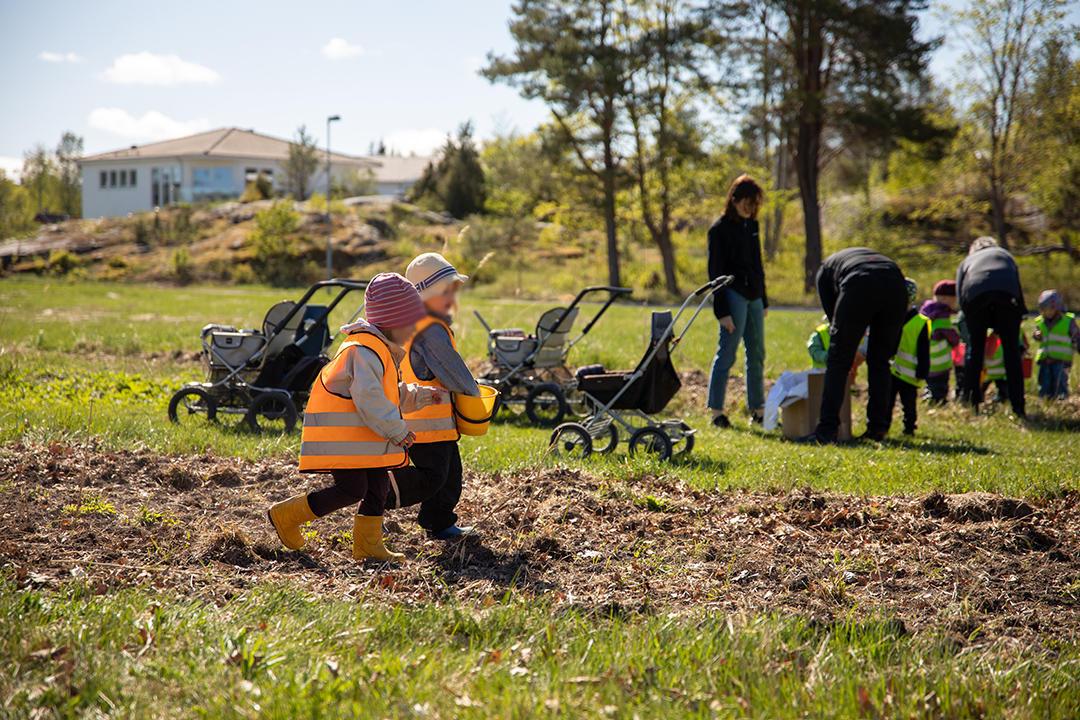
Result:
[735,249]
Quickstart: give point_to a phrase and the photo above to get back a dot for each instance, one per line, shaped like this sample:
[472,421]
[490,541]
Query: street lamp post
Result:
[329,188]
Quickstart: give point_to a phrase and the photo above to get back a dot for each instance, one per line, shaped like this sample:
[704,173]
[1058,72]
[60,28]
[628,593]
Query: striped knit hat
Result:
[430,272]
[391,301]
[1051,299]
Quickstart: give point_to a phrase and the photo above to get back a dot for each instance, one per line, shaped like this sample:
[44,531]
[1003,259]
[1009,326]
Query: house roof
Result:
[222,143]
[398,169]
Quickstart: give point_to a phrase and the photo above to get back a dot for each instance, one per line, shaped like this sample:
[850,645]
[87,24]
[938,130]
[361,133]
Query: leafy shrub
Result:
[182,266]
[62,262]
[141,231]
[275,253]
[242,274]
[258,189]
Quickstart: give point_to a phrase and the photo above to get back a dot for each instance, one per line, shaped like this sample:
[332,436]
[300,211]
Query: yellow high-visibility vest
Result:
[334,437]
[1056,343]
[905,362]
[435,423]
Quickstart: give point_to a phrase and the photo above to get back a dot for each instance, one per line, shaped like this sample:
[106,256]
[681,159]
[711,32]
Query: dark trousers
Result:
[877,301]
[937,387]
[1054,378]
[434,480]
[1002,313]
[364,486]
[909,398]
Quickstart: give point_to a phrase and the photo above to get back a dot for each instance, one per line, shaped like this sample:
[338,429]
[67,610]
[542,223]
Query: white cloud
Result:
[340,49]
[151,126]
[12,167]
[60,57]
[148,69]
[415,142]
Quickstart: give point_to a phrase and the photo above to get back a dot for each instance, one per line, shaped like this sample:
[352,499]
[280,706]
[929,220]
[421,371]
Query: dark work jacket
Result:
[847,265]
[990,270]
[735,249]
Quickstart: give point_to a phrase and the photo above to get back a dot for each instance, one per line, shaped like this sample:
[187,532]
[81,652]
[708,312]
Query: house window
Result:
[112,178]
[104,179]
[123,178]
[131,178]
[155,187]
[212,182]
[250,176]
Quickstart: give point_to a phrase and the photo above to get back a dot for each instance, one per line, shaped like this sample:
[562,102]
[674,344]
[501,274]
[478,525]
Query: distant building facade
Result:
[396,174]
[208,166]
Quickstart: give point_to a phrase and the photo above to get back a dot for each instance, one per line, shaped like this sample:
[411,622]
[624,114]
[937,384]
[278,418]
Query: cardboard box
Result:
[801,417]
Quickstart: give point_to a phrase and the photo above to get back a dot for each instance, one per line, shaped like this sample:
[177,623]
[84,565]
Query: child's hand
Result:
[409,439]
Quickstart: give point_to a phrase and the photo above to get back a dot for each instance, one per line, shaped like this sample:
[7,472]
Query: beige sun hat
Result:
[430,272]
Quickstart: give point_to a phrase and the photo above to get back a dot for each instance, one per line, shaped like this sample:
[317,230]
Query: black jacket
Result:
[847,265]
[990,270]
[735,249]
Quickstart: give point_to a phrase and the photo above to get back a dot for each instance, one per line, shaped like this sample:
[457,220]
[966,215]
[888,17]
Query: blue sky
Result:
[403,70]
[120,72]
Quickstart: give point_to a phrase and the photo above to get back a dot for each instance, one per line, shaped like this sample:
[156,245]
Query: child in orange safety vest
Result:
[353,424]
[434,479]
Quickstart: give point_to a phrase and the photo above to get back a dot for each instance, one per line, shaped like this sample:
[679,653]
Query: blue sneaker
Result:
[452,532]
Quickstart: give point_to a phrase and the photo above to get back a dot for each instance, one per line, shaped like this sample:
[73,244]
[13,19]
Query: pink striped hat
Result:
[391,301]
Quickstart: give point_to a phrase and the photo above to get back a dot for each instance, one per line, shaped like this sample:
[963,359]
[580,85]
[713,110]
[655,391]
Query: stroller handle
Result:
[713,285]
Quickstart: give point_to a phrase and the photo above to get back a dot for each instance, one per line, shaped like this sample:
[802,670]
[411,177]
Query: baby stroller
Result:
[630,399]
[531,370]
[264,375]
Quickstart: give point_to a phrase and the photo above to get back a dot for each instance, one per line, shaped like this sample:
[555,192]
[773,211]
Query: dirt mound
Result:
[990,565]
[975,507]
[228,546]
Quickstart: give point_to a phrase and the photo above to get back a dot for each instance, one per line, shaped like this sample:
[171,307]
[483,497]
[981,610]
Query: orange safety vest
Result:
[334,437]
[435,423]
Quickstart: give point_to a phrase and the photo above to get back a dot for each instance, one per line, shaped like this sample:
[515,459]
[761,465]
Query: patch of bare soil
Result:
[972,565]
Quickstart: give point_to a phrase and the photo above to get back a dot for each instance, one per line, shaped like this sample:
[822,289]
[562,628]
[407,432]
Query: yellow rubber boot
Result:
[287,517]
[367,540]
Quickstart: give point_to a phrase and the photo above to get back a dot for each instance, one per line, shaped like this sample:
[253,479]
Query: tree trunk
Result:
[809,54]
[776,222]
[609,213]
[667,254]
[997,211]
[806,167]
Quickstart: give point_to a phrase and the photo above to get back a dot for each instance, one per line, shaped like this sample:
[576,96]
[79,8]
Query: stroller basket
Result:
[649,387]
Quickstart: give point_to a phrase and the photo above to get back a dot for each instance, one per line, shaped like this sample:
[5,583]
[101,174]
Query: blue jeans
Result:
[1054,379]
[749,318]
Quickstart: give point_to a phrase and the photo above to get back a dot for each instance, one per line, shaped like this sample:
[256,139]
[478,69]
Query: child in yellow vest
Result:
[1058,335]
[911,364]
[434,478]
[353,424]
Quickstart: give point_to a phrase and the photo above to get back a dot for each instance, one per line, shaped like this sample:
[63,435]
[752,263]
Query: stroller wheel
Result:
[189,402]
[571,440]
[651,441]
[546,405]
[605,438]
[682,443]
[271,412]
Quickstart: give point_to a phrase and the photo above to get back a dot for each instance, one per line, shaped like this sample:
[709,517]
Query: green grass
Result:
[95,362]
[276,652]
[69,371]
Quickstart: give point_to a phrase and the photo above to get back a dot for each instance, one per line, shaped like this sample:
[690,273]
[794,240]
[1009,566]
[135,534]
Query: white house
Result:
[208,166]
[395,174]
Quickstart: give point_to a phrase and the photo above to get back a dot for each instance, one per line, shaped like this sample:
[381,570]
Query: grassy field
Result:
[100,361]
[96,363]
